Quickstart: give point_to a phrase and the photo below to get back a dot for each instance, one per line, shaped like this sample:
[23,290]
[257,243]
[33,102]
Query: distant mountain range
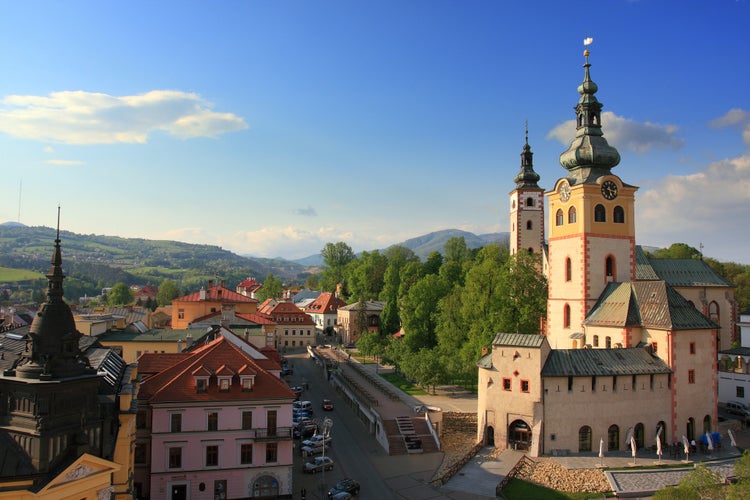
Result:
[432,242]
[93,261]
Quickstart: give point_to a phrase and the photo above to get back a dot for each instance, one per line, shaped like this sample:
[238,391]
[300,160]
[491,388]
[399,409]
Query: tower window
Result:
[571,215]
[619,215]
[531,250]
[529,202]
[568,269]
[566,316]
[610,268]
[600,215]
[529,225]
[559,217]
[596,340]
[713,311]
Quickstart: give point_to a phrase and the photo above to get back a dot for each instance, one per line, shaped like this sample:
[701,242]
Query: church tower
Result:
[527,207]
[50,405]
[591,224]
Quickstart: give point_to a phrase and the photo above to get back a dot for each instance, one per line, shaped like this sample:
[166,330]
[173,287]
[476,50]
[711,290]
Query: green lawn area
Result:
[403,384]
[9,275]
[518,489]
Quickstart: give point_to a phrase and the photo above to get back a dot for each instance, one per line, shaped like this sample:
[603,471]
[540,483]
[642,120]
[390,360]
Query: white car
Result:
[307,451]
[318,464]
[317,440]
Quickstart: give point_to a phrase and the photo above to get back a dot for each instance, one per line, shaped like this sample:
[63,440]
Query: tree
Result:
[168,291]
[272,288]
[456,250]
[419,312]
[433,263]
[390,322]
[336,257]
[364,275]
[370,344]
[120,295]
[677,251]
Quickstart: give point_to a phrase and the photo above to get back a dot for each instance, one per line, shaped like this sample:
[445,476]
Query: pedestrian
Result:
[303,494]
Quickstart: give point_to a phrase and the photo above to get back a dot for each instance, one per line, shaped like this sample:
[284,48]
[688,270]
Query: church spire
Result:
[527,178]
[589,155]
[52,349]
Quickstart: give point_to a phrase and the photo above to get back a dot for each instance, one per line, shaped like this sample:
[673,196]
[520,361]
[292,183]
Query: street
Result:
[352,447]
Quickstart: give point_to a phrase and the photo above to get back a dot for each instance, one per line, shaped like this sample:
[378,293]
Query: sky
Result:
[271,128]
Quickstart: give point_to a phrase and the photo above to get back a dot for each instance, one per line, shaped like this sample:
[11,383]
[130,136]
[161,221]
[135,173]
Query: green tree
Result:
[336,257]
[390,322]
[433,263]
[365,275]
[419,312]
[272,288]
[456,250]
[741,489]
[168,291]
[371,344]
[120,295]
[677,251]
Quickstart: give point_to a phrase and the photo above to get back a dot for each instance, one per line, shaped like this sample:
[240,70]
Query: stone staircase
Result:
[405,429]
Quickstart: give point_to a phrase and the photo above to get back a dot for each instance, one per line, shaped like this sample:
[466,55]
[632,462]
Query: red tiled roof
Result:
[215,294]
[258,318]
[326,303]
[250,285]
[177,383]
[152,362]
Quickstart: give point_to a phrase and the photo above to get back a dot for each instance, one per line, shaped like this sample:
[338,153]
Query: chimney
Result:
[223,283]
[202,293]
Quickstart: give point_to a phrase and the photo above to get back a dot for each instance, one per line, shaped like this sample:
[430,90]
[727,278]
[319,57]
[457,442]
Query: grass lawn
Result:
[8,274]
[519,489]
[403,384]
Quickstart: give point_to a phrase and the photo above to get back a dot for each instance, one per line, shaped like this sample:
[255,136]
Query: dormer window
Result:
[201,376]
[224,384]
[247,383]
[201,384]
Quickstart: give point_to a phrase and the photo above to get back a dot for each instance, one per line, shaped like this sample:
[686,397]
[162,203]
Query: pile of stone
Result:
[551,474]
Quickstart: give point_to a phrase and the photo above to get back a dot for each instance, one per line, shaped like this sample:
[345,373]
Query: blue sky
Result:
[273,127]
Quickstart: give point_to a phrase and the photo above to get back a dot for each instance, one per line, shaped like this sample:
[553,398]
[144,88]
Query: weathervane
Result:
[586,42]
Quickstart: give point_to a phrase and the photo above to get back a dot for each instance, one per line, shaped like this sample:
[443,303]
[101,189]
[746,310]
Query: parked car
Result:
[327,405]
[346,485]
[302,405]
[316,440]
[318,464]
[305,431]
[307,451]
[297,390]
[738,408]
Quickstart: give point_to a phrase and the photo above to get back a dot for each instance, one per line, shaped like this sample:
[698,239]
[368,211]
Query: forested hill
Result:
[93,261]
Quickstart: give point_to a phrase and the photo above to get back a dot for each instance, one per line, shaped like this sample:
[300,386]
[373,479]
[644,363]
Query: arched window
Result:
[663,426]
[571,215]
[706,424]
[529,225]
[613,438]
[690,428]
[609,270]
[559,217]
[619,215]
[608,342]
[266,487]
[584,439]
[513,204]
[530,250]
[568,269]
[638,434]
[596,340]
[529,201]
[600,215]
[566,316]
[713,311]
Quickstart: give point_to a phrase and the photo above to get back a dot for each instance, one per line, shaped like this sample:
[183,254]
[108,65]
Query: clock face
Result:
[609,190]
[565,191]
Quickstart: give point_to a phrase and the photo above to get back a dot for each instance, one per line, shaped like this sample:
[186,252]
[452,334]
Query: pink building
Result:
[215,422]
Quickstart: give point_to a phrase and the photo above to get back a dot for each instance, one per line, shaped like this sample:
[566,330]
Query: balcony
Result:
[280,434]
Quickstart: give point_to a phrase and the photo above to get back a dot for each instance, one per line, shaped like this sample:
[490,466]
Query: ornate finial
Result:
[527,131]
[586,42]
[58,223]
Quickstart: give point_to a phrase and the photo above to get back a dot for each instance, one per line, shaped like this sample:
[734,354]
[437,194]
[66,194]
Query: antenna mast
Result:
[20,189]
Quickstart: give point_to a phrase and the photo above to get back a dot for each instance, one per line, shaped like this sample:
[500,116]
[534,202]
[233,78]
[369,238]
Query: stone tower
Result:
[527,207]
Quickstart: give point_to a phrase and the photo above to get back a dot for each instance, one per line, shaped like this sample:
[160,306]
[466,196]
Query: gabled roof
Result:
[370,306]
[648,304]
[215,293]
[518,340]
[602,362]
[176,383]
[677,272]
[250,285]
[257,318]
[326,303]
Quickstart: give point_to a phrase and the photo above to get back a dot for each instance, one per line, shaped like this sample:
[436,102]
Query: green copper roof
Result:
[589,155]
[527,177]
[643,269]
[602,362]
[687,272]
[648,304]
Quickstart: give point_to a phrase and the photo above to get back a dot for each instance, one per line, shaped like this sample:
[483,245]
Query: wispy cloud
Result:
[64,162]
[308,212]
[737,118]
[79,117]
[624,133]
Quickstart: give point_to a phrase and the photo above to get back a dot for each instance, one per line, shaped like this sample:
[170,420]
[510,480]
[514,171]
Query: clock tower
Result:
[527,207]
[591,224]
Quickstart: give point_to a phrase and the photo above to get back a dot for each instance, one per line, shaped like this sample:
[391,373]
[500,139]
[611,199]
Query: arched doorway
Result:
[707,424]
[613,438]
[519,435]
[490,436]
[690,429]
[638,434]
[662,426]
[265,487]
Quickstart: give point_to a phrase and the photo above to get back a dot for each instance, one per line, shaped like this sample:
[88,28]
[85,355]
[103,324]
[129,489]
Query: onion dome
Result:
[527,177]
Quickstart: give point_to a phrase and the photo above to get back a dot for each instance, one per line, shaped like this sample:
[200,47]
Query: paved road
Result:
[353,449]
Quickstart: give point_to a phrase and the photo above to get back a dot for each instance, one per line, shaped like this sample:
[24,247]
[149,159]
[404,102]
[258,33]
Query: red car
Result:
[327,405]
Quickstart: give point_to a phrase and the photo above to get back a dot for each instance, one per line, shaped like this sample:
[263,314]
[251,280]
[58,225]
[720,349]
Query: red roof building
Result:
[324,310]
[215,298]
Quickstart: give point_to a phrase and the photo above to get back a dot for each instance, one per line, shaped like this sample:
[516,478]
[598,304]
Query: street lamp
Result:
[327,424]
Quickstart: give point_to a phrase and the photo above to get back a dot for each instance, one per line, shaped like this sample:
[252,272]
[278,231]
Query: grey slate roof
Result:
[602,362]
[648,304]
[485,361]
[518,340]
[643,269]
[737,351]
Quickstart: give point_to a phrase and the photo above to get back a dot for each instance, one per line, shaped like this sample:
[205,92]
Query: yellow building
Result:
[216,298]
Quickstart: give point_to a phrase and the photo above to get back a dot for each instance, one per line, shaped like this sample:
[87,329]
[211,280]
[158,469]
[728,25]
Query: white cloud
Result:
[308,212]
[64,162]
[624,133]
[737,118]
[79,117]
[708,207]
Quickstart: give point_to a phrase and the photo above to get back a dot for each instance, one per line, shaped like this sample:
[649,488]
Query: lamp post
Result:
[327,424]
